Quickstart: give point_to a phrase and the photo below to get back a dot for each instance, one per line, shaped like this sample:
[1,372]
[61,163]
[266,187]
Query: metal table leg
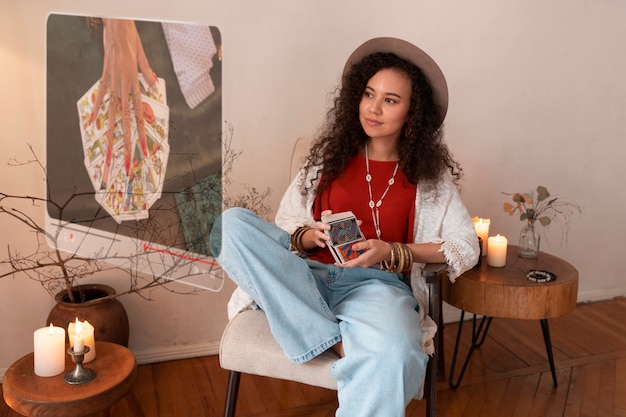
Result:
[478,338]
[546,337]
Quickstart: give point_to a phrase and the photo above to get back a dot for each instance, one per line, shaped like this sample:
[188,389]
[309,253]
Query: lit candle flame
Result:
[79,326]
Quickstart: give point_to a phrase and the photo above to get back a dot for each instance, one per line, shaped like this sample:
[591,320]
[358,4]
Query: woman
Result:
[381,157]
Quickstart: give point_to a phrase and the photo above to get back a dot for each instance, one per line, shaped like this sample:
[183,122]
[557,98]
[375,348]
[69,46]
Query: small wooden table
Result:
[34,396]
[506,292]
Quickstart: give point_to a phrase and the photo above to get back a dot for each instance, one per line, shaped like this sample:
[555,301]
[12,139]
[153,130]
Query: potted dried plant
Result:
[62,273]
[538,206]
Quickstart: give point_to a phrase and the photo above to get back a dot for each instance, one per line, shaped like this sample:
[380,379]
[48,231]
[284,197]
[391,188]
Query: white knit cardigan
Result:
[440,217]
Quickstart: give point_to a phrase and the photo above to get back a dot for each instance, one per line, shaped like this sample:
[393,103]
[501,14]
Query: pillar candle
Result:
[88,333]
[481,226]
[49,351]
[496,252]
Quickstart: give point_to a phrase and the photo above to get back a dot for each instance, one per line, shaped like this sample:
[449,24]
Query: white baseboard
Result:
[171,353]
[601,295]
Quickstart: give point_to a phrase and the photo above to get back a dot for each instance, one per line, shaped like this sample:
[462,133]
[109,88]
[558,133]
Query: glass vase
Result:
[529,241]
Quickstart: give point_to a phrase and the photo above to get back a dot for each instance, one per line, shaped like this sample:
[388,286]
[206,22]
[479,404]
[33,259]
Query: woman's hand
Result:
[374,252]
[316,237]
[124,58]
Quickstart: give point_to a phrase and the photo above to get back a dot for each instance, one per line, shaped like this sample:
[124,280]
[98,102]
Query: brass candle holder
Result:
[80,374]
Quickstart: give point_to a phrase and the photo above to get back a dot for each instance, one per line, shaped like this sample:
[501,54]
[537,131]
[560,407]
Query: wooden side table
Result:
[506,292]
[34,396]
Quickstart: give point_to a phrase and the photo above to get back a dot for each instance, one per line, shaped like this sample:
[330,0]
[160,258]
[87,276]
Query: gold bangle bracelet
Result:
[392,264]
[296,240]
[408,258]
[410,253]
[401,258]
[386,264]
[404,258]
[396,251]
[396,261]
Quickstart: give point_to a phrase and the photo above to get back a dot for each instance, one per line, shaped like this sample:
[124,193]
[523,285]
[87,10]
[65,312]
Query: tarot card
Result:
[155,96]
[156,92]
[91,129]
[156,161]
[96,150]
[95,161]
[127,178]
[156,116]
[145,181]
[344,232]
[112,197]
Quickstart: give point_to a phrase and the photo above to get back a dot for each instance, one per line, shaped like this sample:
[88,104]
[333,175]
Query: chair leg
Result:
[231,394]
[431,387]
[441,364]
[133,402]
[435,363]
[432,376]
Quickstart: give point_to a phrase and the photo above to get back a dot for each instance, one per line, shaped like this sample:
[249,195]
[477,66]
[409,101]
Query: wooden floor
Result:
[508,376]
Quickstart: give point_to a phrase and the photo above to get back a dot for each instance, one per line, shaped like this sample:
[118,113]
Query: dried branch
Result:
[57,270]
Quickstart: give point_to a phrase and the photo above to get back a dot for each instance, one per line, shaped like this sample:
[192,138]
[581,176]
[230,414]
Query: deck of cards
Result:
[344,232]
[126,192]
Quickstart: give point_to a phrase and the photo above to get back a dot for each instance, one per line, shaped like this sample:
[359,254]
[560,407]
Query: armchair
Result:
[247,345]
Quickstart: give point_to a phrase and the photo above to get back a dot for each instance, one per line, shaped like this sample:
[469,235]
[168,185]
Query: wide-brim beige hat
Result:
[413,54]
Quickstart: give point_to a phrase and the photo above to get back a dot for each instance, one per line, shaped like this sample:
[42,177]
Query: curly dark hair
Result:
[422,153]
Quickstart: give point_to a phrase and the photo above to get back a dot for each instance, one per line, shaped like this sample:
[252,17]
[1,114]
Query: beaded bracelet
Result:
[538,275]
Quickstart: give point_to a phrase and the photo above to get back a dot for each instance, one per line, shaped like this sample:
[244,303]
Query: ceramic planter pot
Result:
[107,315]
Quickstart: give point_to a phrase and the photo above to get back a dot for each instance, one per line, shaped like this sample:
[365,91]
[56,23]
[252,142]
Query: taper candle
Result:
[481,226]
[88,333]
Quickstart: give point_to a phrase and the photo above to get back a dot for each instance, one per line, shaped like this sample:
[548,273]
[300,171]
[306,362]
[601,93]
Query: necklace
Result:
[374,207]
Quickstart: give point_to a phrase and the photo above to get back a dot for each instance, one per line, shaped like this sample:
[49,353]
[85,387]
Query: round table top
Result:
[506,292]
[31,395]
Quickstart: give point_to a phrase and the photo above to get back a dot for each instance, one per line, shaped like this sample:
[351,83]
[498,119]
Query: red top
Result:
[350,193]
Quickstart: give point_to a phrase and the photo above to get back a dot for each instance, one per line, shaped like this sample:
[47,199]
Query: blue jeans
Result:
[311,306]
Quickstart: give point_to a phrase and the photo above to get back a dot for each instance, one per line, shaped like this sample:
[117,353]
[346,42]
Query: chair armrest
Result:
[432,272]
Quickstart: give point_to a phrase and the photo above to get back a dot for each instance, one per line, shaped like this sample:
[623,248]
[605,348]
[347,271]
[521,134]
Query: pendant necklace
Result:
[374,207]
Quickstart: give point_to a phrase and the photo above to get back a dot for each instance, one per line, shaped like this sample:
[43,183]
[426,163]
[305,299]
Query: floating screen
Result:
[134,144]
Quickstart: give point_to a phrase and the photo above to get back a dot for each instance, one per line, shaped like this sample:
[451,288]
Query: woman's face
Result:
[384,107]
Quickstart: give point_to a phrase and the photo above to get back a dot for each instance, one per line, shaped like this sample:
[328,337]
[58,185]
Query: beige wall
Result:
[537,97]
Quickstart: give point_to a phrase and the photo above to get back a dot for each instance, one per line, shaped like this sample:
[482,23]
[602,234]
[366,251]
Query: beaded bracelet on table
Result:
[537,275]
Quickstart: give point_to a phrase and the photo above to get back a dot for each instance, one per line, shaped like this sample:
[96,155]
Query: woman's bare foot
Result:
[338,348]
